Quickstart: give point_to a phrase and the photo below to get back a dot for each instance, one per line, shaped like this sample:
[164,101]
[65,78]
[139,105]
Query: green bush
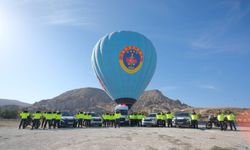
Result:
[8,113]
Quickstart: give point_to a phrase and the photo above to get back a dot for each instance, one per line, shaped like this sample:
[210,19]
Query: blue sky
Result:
[203,47]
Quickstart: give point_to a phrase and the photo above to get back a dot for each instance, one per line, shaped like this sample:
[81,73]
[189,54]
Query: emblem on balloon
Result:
[131,59]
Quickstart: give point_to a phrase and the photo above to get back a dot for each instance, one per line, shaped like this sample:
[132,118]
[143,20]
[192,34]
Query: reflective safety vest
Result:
[84,116]
[37,115]
[77,116]
[118,115]
[58,116]
[112,117]
[136,116]
[158,116]
[88,117]
[231,117]
[132,116]
[163,116]
[48,116]
[169,116]
[194,117]
[141,116]
[80,116]
[220,117]
[53,115]
[24,115]
[108,117]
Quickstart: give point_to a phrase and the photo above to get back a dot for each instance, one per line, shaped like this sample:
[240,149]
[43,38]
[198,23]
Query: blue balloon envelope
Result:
[124,62]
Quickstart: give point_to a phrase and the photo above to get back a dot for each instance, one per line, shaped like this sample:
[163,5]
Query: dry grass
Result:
[6,123]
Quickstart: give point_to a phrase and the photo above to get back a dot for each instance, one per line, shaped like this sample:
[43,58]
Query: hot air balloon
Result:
[124,63]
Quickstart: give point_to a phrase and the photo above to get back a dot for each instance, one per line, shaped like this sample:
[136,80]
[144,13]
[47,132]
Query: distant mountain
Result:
[4,102]
[155,101]
[85,99]
[93,99]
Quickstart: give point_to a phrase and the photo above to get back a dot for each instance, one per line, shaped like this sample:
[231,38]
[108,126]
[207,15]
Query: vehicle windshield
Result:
[123,112]
[94,115]
[67,114]
[182,115]
[152,115]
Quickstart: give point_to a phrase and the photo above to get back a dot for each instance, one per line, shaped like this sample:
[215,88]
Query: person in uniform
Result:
[117,119]
[194,120]
[158,119]
[104,118]
[169,117]
[231,119]
[221,118]
[58,119]
[24,118]
[43,119]
[88,118]
[53,121]
[80,119]
[112,118]
[163,119]
[48,120]
[36,119]
[132,119]
[77,118]
[140,116]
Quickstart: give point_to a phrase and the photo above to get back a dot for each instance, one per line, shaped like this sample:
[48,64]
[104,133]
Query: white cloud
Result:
[209,87]
[212,39]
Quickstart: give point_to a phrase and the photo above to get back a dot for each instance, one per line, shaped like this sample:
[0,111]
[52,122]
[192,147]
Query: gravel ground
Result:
[124,138]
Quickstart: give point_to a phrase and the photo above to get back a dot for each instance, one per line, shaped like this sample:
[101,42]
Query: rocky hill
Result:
[5,102]
[93,99]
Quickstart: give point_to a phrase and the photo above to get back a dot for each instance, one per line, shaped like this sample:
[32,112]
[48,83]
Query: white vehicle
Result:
[123,109]
[150,120]
[96,119]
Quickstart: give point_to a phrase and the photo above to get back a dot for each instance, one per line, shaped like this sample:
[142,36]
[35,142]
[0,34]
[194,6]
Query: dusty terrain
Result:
[125,138]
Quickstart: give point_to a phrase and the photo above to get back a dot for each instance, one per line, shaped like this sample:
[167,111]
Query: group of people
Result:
[48,119]
[229,117]
[52,119]
[164,119]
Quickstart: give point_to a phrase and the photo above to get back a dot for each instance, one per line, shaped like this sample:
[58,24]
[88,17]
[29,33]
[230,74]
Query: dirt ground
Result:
[124,138]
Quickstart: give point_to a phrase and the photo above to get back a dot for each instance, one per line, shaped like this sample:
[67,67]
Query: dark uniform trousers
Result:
[232,125]
[23,123]
[49,123]
[117,123]
[170,123]
[195,123]
[35,123]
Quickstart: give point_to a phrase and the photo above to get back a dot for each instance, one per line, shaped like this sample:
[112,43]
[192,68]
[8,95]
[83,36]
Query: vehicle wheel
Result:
[209,125]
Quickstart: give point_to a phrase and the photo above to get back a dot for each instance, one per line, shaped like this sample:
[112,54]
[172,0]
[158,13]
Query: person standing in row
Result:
[139,118]
[117,117]
[194,120]
[105,119]
[221,118]
[80,119]
[169,117]
[24,117]
[87,119]
[43,119]
[36,120]
[48,120]
[231,119]
[58,119]
[53,120]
